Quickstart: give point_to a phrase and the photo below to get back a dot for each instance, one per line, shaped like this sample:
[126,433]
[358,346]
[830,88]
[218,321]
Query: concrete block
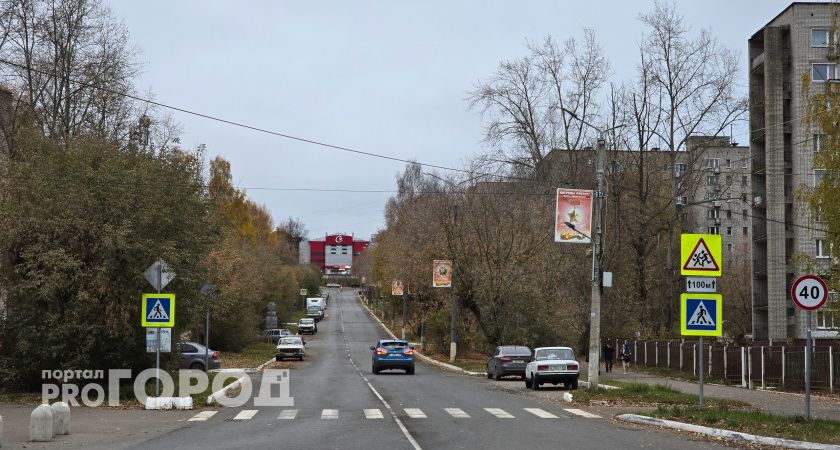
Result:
[61,418]
[41,424]
[169,402]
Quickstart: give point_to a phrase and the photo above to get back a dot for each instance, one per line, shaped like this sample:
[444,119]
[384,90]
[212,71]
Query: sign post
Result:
[809,292]
[701,315]
[158,275]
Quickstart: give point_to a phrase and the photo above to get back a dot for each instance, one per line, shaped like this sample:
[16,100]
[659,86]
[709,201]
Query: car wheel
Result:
[375,370]
[535,383]
[528,383]
[410,371]
[489,375]
[574,385]
[277,358]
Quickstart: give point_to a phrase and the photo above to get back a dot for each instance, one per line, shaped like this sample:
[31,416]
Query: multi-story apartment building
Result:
[792,49]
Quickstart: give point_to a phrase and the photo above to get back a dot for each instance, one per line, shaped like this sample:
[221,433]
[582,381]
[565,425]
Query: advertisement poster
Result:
[396,287]
[442,276]
[574,207]
[165,339]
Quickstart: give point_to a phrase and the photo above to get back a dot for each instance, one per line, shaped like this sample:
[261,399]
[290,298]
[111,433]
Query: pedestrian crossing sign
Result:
[158,310]
[701,255]
[701,314]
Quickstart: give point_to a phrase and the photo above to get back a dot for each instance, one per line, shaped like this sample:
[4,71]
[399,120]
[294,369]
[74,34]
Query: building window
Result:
[728,213]
[729,247]
[729,180]
[745,164]
[712,163]
[714,214]
[743,196]
[679,169]
[744,214]
[822,72]
[823,249]
[819,174]
[819,37]
[712,179]
[744,180]
[819,142]
[729,231]
[713,230]
[745,231]
[683,200]
[728,163]
[825,315]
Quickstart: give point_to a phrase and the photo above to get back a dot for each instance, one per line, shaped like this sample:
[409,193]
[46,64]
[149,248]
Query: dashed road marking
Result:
[582,413]
[415,413]
[202,416]
[287,414]
[541,413]
[373,414]
[246,414]
[457,413]
[330,414]
[500,413]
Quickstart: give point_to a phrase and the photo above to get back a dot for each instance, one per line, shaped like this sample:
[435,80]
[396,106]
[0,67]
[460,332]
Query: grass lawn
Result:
[253,355]
[676,374]
[763,424]
[642,394]
[470,364]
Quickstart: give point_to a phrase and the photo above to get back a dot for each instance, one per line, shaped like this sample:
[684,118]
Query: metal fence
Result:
[755,366]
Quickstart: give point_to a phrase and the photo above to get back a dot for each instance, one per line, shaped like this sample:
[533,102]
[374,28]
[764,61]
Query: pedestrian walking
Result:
[609,355]
[626,355]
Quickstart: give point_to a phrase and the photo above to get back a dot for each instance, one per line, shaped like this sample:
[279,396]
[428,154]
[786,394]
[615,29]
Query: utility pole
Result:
[405,297]
[595,316]
[453,317]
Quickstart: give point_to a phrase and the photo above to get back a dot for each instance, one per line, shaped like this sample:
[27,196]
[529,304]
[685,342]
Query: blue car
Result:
[393,354]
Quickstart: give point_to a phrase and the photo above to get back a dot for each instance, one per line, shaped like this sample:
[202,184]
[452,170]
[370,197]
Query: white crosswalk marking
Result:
[500,413]
[288,414]
[246,414]
[330,414]
[541,413]
[583,413]
[373,414]
[457,413]
[202,416]
[415,413]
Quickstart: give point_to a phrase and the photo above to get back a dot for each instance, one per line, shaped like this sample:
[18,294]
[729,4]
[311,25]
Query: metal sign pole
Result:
[157,350]
[809,350]
[702,369]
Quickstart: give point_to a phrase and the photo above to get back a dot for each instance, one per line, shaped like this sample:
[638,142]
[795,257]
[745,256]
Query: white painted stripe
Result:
[458,413]
[541,413]
[202,416]
[415,413]
[329,414]
[500,413]
[246,414]
[583,413]
[373,414]
[288,414]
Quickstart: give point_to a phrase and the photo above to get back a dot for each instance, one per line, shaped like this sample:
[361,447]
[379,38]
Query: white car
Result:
[290,347]
[552,365]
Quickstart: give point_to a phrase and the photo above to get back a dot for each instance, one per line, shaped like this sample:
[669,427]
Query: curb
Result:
[600,385]
[423,357]
[722,433]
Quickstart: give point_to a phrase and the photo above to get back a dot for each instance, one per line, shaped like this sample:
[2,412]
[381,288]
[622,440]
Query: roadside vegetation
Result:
[251,356]
[642,394]
[753,422]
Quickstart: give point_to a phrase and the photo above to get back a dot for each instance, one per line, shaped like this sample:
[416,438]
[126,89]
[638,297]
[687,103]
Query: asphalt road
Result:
[432,409]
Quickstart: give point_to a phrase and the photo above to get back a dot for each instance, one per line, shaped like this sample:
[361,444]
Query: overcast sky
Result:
[387,77]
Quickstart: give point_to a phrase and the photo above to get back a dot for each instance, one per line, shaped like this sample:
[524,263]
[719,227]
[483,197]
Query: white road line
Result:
[541,413]
[583,413]
[415,413]
[246,414]
[457,413]
[387,406]
[202,416]
[331,414]
[373,414]
[500,413]
[288,414]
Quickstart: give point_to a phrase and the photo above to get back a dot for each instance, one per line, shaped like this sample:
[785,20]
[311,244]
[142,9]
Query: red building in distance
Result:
[334,254]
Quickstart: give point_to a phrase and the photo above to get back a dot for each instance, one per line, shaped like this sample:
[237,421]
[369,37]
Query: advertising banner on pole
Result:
[396,287]
[574,207]
[442,273]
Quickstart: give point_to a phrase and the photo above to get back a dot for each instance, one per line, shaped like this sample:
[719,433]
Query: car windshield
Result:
[394,345]
[307,321]
[515,351]
[554,353]
[285,332]
[291,341]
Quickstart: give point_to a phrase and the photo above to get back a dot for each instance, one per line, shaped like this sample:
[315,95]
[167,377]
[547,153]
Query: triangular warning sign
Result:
[701,316]
[157,313]
[701,258]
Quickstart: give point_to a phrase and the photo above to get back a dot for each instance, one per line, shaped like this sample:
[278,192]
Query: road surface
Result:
[339,403]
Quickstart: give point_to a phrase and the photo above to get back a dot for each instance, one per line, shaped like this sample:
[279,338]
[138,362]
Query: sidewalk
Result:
[773,402]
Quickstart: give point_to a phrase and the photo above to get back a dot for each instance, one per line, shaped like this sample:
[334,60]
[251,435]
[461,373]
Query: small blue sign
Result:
[700,314]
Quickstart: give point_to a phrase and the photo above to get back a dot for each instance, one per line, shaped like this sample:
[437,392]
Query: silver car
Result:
[193,354]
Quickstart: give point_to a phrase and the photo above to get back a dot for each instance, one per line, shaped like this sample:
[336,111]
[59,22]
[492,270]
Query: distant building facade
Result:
[792,49]
[334,254]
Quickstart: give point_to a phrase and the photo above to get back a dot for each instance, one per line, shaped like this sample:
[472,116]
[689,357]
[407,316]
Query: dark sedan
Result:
[508,360]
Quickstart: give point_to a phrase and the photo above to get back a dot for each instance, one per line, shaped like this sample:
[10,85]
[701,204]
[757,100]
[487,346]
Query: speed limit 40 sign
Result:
[809,292]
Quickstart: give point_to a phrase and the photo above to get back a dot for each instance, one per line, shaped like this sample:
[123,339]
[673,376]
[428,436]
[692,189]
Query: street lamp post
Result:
[597,244]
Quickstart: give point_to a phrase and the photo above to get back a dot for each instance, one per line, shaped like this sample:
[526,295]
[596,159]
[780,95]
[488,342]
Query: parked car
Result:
[392,354]
[333,285]
[192,357]
[276,333]
[508,360]
[290,347]
[315,312]
[307,325]
[552,365]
